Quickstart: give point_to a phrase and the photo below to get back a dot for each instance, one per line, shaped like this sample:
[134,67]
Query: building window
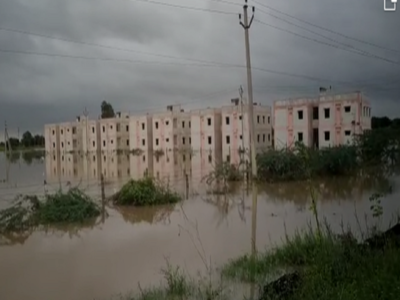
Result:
[104,128]
[190,124]
[156,123]
[190,140]
[209,121]
[315,113]
[54,145]
[127,128]
[143,142]
[327,113]
[94,144]
[347,132]
[228,158]
[210,159]
[94,158]
[104,143]
[167,122]
[183,124]
[269,137]
[300,114]
[62,145]
[228,139]
[209,140]
[104,158]
[347,109]
[241,136]
[62,131]
[327,135]
[73,130]
[263,138]
[258,138]
[300,136]
[144,157]
[54,132]
[156,142]
[143,126]
[112,141]
[263,119]
[118,127]
[92,129]
[258,119]
[167,140]
[127,142]
[240,117]
[183,141]
[111,127]
[227,120]
[269,119]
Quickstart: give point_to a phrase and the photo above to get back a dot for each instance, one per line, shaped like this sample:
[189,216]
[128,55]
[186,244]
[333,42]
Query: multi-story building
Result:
[236,134]
[141,132]
[89,130]
[69,139]
[327,120]
[171,129]
[141,164]
[52,138]
[114,133]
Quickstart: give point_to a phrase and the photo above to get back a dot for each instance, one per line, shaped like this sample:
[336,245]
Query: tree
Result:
[107,111]
[14,142]
[38,140]
[27,139]
[384,122]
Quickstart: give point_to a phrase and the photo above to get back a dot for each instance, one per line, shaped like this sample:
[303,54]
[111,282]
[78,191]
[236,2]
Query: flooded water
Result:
[98,260]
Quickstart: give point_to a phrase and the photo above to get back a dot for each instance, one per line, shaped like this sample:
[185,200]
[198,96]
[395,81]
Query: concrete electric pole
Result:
[246,26]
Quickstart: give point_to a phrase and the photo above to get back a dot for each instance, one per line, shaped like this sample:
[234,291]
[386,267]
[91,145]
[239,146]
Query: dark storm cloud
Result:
[35,90]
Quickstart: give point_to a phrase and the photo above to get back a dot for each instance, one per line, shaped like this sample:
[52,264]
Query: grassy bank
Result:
[329,267]
[145,192]
[62,207]
[380,147]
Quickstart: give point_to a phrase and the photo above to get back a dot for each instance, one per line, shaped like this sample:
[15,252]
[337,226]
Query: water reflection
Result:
[151,215]
[27,157]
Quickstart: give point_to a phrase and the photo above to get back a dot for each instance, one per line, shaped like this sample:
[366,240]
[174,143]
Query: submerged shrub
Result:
[29,211]
[145,192]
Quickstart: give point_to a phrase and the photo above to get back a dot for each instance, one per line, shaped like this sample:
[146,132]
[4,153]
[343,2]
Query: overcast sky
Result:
[197,55]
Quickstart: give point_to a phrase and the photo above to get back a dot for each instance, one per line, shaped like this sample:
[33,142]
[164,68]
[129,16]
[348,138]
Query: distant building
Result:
[141,132]
[236,134]
[114,133]
[171,129]
[327,120]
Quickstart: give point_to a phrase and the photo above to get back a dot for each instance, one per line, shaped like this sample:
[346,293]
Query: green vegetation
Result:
[223,177]
[30,211]
[329,267]
[107,110]
[144,192]
[379,147]
[27,142]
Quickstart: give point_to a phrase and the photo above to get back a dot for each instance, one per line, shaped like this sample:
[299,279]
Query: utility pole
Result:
[246,26]
[86,113]
[241,116]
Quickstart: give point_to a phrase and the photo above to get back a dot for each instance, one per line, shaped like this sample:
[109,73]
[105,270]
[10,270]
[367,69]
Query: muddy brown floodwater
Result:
[132,245]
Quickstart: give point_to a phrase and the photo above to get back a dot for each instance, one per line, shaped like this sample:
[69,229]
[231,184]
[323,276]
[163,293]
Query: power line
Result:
[186,7]
[327,29]
[366,54]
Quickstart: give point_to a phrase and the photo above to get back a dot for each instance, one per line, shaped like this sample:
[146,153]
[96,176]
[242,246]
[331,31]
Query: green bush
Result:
[145,192]
[30,211]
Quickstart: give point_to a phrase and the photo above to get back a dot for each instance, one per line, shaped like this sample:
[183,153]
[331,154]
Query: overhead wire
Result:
[326,29]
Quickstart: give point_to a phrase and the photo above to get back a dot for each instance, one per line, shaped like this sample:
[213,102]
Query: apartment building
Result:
[52,138]
[236,134]
[114,133]
[89,130]
[324,121]
[171,129]
[142,164]
[141,132]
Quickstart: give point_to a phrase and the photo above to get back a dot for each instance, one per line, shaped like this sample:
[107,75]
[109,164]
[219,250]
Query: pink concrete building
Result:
[236,134]
[171,129]
[141,132]
[327,120]
[114,133]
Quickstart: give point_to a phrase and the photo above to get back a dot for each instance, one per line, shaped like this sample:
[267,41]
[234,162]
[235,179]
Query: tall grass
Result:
[73,206]
[145,192]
